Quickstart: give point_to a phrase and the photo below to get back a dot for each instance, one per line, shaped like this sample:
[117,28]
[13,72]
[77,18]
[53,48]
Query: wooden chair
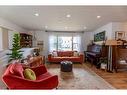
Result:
[35,61]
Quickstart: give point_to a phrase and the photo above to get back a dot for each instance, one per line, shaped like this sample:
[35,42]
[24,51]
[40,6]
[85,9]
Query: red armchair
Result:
[14,79]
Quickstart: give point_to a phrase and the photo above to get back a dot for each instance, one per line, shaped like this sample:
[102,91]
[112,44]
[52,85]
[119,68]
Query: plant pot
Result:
[103,66]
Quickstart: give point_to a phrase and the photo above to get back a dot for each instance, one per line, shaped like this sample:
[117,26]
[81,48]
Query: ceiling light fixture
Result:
[85,27]
[68,15]
[36,14]
[66,27]
[98,17]
[46,26]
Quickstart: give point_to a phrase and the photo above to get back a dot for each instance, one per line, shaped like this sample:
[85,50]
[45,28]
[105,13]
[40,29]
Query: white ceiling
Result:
[55,16]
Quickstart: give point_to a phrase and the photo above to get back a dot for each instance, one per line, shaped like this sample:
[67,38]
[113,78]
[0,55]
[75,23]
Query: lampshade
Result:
[111,42]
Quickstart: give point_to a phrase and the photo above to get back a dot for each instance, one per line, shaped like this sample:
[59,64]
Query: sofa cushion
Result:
[54,53]
[43,76]
[65,53]
[16,69]
[76,54]
[29,74]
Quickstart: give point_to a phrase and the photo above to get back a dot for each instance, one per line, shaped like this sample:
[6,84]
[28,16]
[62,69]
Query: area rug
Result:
[80,78]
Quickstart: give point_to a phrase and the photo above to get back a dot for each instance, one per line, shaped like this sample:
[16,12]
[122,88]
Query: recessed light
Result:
[98,17]
[46,26]
[36,14]
[66,27]
[85,27]
[68,15]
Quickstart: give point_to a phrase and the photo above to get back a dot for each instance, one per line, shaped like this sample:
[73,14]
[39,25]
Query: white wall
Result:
[40,36]
[9,25]
[107,28]
[119,26]
[111,28]
[87,37]
[1,40]
[5,38]
[43,36]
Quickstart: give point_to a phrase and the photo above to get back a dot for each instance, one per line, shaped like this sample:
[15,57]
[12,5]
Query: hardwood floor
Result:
[117,80]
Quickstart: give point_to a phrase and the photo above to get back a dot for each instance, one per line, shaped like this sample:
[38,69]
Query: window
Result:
[64,43]
[76,43]
[52,43]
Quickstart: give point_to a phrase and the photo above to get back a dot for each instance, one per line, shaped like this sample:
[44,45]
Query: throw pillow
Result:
[55,54]
[16,69]
[76,54]
[29,74]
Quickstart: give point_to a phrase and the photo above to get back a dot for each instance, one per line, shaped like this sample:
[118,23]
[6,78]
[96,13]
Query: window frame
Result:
[72,42]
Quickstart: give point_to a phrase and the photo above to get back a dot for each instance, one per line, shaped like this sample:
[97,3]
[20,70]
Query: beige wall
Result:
[1,39]
[5,38]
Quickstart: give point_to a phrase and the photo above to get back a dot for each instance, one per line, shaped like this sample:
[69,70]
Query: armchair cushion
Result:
[39,70]
[29,74]
[16,69]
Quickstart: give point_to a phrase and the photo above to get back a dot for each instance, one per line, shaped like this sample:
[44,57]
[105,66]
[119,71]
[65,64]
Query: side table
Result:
[66,66]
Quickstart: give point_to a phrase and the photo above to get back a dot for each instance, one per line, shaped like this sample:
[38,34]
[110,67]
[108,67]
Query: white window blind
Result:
[64,42]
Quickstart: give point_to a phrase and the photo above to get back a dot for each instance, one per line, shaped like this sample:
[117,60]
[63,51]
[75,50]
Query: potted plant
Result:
[102,63]
[15,54]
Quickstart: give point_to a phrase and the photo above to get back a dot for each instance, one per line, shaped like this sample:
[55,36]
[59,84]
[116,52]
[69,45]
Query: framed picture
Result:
[119,35]
[99,36]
